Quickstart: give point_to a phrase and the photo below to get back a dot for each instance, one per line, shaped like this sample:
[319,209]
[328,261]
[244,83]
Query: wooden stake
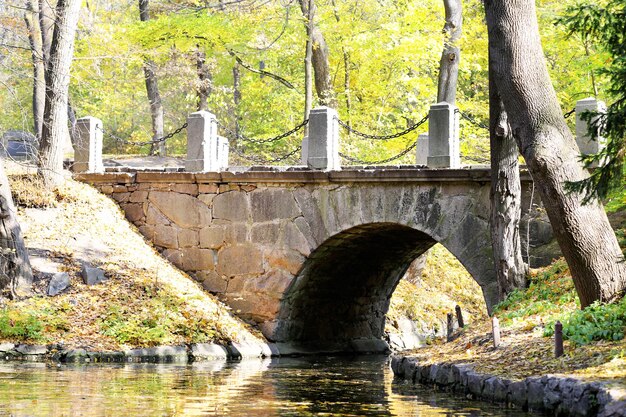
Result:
[459,316]
[558,339]
[495,326]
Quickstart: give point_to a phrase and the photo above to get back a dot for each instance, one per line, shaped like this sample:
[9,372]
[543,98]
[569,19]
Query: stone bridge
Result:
[312,257]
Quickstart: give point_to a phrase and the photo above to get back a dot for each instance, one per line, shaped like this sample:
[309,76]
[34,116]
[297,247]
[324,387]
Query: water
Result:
[326,386]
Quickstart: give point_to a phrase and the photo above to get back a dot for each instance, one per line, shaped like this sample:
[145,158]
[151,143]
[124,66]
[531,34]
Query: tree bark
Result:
[319,56]
[204,80]
[39,67]
[152,90]
[582,231]
[451,55]
[57,75]
[506,200]
[236,100]
[308,66]
[16,275]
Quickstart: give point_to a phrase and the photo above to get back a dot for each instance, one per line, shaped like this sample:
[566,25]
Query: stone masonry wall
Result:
[246,236]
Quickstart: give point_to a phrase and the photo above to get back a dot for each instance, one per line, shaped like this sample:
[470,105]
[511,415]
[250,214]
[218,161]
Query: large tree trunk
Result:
[16,275]
[55,132]
[451,55]
[152,90]
[582,231]
[204,80]
[319,56]
[506,200]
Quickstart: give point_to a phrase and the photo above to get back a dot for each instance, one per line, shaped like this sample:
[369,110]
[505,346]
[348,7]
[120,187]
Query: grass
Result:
[145,301]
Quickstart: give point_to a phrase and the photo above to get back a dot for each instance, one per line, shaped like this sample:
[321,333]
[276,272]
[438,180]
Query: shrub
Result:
[18,325]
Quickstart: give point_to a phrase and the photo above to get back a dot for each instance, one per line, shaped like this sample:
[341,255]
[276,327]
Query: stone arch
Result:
[343,289]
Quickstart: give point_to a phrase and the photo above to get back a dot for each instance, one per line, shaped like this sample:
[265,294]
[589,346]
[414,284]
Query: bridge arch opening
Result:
[343,289]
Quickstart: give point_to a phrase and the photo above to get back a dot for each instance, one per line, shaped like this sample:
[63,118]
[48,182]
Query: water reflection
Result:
[326,386]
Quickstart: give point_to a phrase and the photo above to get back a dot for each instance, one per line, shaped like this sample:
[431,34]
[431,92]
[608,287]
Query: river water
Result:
[323,386]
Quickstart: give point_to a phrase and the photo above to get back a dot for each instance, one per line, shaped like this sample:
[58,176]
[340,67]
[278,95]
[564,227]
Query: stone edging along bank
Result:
[548,394]
[179,354]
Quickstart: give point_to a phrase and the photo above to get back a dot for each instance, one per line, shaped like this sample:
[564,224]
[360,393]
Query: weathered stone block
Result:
[265,233]
[517,394]
[92,276]
[138,197]
[272,204]
[295,239]
[148,231]
[288,260]
[59,282]
[188,238]
[165,236]
[122,197]
[240,259]
[273,282]
[212,281]
[232,206]
[184,210]
[208,188]
[195,259]
[207,199]
[174,256]
[133,211]
[207,351]
[191,189]
[212,237]
[154,216]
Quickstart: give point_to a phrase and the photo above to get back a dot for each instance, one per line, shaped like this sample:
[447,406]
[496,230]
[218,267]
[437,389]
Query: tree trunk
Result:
[39,66]
[319,56]
[55,132]
[152,90]
[308,66]
[204,80]
[451,55]
[236,100]
[506,200]
[582,231]
[16,275]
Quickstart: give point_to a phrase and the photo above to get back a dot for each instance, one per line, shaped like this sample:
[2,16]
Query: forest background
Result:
[383,55]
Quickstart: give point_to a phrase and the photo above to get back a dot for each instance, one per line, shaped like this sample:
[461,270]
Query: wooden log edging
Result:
[552,395]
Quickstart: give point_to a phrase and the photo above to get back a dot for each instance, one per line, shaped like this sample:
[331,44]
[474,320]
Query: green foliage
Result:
[549,291]
[161,321]
[20,325]
[596,322]
[604,24]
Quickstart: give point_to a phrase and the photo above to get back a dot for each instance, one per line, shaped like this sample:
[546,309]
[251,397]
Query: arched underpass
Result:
[343,290]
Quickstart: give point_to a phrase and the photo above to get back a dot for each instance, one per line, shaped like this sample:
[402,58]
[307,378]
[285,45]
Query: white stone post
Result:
[88,152]
[206,152]
[443,136]
[585,142]
[421,150]
[323,140]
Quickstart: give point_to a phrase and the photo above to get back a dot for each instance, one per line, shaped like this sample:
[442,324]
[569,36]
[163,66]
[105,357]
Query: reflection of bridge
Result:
[310,256]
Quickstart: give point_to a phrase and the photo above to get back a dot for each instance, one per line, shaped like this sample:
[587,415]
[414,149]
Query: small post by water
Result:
[459,316]
[495,326]
[558,339]
[450,326]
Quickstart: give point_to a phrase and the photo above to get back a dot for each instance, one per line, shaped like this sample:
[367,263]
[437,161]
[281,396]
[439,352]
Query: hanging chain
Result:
[472,120]
[261,141]
[148,142]
[382,137]
[380,161]
[260,160]
[569,113]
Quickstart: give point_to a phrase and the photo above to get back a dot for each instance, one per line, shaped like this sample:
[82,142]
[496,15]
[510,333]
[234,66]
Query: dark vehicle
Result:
[19,145]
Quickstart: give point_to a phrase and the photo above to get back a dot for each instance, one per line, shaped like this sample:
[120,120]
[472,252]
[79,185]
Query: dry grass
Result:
[146,301]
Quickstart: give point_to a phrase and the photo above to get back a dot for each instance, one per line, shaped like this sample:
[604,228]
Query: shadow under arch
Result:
[343,289]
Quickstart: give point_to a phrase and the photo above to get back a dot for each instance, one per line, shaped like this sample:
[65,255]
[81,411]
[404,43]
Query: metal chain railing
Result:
[472,120]
[260,160]
[144,143]
[569,113]
[382,137]
[238,135]
[380,161]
